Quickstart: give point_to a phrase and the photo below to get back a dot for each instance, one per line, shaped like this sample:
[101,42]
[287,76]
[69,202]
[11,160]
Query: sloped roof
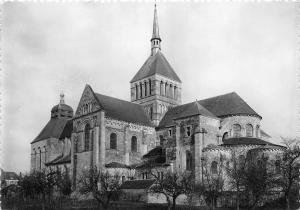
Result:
[182,111]
[53,128]
[66,133]
[263,133]
[60,160]
[219,106]
[8,175]
[156,64]
[123,110]
[156,151]
[116,165]
[227,104]
[138,184]
[245,141]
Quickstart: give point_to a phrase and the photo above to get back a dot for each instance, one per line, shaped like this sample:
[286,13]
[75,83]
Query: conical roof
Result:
[156,64]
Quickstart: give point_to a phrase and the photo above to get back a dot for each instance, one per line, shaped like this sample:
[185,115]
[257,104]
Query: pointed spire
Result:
[155,34]
[155,40]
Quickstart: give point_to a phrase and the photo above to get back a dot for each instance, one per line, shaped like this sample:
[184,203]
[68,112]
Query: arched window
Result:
[257,131]
[249,130]
[236,130]
[277,167]
[225,136]
[189,160]
[113,141]
[145,89]
[161,88]
[133,144]
[136,92]
[34,159]
[161,139]
[92,140]
[171,91]
[141,90]
[214,167]
[87,137]
[40,158]
[150,87]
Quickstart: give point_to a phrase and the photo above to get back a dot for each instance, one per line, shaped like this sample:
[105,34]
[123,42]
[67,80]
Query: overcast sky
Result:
[215,48]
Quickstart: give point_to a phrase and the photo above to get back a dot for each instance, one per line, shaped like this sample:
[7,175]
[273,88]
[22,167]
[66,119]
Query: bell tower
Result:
[156,86]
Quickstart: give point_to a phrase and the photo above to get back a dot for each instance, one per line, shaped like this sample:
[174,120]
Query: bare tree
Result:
[258,180]
[235,172]
[172,184]
[212,185]
[63,183]
[103,186]
[289,168]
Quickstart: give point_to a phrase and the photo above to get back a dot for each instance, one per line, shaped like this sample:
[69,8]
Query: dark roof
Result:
[64,107]
[116,165]
[227,104]
[8,175]
[219,106]
[263,133]
[157,151]
[245,141]
[54,128]
[156,64]
[123,110]
[60,160]
[183,111]
[138,184]
[66,133]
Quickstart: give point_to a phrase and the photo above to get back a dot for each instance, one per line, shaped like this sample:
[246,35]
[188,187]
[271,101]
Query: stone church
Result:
[154,127]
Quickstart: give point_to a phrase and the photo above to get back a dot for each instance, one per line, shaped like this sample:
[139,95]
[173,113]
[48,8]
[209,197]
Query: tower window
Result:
[188,130]
[257,131]
[136,92]
[141,90]
[87,137]
[170,132]
[145,88]
[133,144]
[113,141]
[188,160]
[236,130]
[150,87]
[249,130]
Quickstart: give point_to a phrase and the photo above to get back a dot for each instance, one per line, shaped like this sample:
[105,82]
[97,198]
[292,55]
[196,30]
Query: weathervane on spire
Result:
[62,98]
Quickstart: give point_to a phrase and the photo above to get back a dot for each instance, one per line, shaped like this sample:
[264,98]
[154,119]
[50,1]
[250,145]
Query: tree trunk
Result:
[174,203]
[287,200]
[238,201]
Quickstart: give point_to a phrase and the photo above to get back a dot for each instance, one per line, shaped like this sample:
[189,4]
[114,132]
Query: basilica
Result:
[153,127]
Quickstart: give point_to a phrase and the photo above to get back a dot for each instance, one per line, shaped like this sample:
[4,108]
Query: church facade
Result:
[154,127]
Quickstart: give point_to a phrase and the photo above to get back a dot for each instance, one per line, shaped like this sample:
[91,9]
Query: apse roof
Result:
[60,160]
[156,64]
[219,106]
[53,128]
[246,141]
[138,184]
[123,110]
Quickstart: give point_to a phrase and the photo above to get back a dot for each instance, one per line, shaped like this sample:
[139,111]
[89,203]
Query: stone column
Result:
[178,149]
[163,88]
[155,87]
[138,91]
[96,146]
[102,140]
[198,156]
[73,160]
[148,88]
[166,89]
[127,141]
